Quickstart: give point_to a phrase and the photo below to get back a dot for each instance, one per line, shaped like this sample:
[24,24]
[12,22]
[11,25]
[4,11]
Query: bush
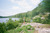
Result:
[28,27]
[19,29]
[10,20]
[27,19]
[46,21]
[24,29]
[21,20]
[16,23]
[12,24]
[2,28]
[38,19]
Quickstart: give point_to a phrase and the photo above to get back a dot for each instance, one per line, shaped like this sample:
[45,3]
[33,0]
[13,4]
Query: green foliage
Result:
[48,16]
[27,19]
[2,17]
[10,20]
[26,28]
[16,23]
[21,20]
[22,29]
[29,27]
[37,19]
[45,21]
[2,28]
[47,5]
[12,24]
[19,29]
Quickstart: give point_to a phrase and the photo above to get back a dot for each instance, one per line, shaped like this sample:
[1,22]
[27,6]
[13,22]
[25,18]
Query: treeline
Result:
[2,17]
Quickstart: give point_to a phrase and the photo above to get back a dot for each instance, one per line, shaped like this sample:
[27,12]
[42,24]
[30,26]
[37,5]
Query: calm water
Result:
[6,19]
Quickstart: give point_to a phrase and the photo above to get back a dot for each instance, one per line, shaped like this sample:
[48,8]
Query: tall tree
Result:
[46,5]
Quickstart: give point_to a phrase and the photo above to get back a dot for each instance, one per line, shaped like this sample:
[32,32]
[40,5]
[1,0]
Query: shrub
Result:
[12,24]
[24,29]
[10,20]
[19,29]
[19,24]
[38,19]
[16,23]
[27,19]
[2,28]
[28,27]
[46,21]
[21,20]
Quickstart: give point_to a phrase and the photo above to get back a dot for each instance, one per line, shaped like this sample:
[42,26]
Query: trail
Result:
[37,28]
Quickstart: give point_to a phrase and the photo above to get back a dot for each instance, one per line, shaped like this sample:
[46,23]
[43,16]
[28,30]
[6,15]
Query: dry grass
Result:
[36,31]
[45,26]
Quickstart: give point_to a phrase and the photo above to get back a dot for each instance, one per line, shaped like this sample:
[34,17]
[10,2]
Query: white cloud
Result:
[35,2]
[15,8]
[24,6]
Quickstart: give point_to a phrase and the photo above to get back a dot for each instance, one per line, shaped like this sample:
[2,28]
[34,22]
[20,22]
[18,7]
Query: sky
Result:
[12,7]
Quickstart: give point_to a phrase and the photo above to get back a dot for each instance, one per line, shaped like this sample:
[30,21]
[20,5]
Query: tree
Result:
[45,5]
[2,28]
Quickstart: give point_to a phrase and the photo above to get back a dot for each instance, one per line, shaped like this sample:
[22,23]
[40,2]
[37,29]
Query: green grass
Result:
[14,31]
[23,29]
[18,30]
[11,31]
[31,31]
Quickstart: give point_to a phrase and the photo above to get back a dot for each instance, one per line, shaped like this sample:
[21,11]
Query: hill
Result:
[42,8]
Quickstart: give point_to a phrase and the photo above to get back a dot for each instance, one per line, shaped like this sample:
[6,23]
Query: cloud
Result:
[35,2]
[15,8]
[23,6]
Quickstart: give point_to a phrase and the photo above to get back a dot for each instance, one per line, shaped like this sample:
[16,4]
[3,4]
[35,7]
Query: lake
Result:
[6,19]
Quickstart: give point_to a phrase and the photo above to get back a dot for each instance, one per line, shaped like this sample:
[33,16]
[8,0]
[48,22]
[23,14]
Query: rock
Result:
[44,30]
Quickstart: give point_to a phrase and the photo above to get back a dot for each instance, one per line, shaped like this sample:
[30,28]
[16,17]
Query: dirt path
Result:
[37,28]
